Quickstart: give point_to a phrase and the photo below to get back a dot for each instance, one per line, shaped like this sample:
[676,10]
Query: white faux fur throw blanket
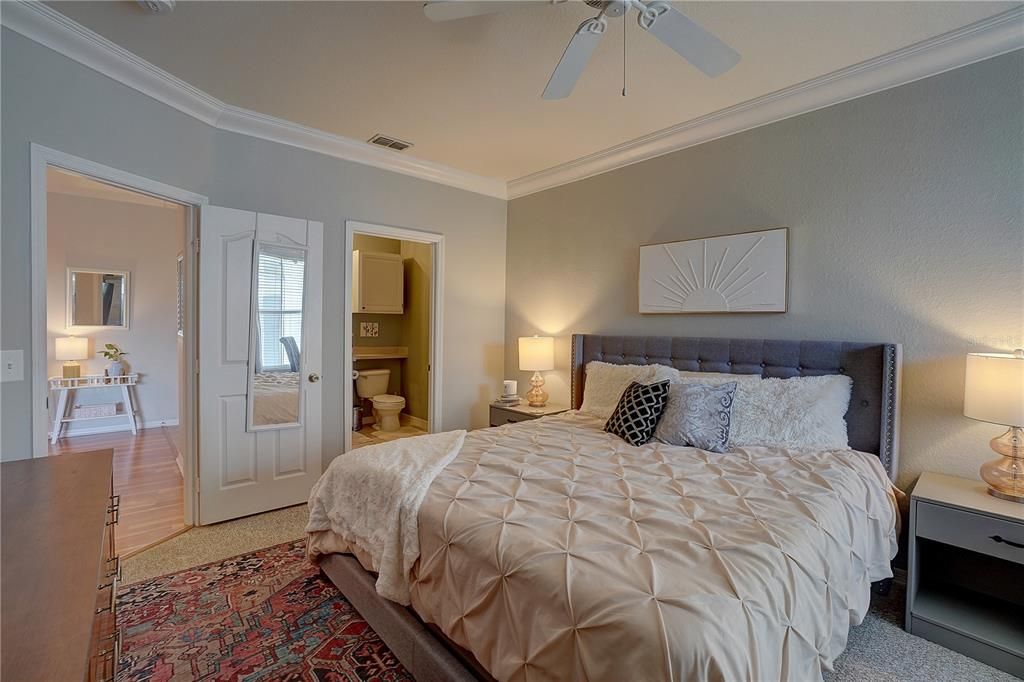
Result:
[371,497]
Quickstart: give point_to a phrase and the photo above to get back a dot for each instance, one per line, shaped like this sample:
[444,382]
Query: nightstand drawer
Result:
[976,532]
[500,416]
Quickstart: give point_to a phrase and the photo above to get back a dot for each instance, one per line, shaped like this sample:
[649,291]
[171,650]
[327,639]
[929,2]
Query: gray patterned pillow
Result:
[697,415]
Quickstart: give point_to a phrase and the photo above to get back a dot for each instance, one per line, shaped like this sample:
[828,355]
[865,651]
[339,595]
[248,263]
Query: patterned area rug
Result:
[268,615]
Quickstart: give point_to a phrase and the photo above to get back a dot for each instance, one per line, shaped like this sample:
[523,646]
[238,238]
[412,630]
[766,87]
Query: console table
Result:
[63,387]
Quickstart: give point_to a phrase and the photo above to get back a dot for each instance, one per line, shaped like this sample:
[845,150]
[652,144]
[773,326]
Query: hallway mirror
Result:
[97,298]
[275,339]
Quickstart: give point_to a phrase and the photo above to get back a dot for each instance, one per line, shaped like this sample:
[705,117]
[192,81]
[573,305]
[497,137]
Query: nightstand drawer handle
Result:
[1011,543]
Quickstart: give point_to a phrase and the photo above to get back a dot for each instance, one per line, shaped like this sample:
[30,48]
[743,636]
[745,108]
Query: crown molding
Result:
[50,28]
[988,38]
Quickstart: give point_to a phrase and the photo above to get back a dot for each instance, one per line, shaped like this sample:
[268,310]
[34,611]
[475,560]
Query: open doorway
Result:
[113,323]
[393,348]
[115,343]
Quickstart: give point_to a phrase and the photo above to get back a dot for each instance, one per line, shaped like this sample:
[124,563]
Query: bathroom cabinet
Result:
[377,283]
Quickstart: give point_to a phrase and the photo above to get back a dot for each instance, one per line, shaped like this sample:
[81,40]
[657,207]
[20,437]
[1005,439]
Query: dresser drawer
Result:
[976,532]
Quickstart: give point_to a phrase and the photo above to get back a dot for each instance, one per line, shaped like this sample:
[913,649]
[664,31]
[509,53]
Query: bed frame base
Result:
[426,653]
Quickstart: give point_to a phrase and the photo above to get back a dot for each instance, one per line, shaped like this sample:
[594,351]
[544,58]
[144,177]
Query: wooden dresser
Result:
[60,571]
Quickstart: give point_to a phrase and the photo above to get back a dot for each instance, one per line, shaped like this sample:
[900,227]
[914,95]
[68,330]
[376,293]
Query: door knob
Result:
[314,377]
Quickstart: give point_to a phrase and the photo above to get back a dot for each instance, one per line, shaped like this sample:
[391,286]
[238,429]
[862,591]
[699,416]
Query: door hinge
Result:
[195,246]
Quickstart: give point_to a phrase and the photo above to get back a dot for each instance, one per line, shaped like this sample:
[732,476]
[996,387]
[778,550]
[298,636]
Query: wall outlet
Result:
[12,364]
[370,329]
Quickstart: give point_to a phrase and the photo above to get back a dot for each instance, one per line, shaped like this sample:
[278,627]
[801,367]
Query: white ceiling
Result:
[467,93]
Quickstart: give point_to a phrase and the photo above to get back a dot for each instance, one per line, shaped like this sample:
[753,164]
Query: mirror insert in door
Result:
[97,298]
[275,339]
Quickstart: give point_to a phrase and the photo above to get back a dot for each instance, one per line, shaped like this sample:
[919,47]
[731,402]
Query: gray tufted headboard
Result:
[871,420]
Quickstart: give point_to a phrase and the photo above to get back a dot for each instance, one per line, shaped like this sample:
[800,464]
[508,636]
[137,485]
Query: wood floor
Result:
[147,478]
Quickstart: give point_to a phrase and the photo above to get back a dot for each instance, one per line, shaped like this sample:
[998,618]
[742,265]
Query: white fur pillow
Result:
[802,412]
[606,382]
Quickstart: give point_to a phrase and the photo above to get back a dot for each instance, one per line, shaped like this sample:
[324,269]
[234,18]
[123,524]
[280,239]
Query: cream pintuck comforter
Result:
[555,551]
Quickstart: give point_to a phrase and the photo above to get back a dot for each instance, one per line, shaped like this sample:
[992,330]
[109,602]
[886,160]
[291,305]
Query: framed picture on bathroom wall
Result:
[737,273]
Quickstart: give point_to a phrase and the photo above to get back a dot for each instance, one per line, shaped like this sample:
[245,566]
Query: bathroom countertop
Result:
[379,352]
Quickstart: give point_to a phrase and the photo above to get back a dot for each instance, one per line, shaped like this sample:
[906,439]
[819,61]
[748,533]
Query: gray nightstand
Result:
[965,582]
[503,414]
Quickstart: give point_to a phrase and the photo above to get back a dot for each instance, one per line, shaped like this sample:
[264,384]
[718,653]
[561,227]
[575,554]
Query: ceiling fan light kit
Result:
[670,26]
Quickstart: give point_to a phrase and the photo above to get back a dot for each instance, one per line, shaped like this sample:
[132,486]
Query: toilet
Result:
[372,384]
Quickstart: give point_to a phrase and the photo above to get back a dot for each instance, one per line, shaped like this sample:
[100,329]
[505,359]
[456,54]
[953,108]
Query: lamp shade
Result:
[994,388]
[536,353]
[72,348]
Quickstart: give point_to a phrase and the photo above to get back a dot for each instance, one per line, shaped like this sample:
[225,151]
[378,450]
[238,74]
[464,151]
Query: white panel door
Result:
[245,472]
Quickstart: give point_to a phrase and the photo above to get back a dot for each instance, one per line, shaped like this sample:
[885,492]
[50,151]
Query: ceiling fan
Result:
[664,22]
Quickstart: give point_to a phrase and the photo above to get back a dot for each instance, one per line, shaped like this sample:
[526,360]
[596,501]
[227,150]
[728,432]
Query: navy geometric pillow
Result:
[637,414]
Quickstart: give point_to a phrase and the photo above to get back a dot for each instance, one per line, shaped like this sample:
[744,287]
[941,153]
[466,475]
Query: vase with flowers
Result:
[113,353]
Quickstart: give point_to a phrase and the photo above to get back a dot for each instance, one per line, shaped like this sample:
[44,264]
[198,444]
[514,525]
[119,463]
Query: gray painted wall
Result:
[58,103]
[906,217]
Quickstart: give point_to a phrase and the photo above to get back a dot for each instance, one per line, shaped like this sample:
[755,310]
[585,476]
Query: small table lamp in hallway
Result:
[536,354]
[994,393]
[70,349]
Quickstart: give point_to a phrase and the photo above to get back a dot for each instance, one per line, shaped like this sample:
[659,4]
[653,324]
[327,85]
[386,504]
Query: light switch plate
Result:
[369,329]
[13,365]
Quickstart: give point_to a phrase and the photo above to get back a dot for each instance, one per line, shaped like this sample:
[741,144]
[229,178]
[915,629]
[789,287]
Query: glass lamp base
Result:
[1005,476]
[537,396]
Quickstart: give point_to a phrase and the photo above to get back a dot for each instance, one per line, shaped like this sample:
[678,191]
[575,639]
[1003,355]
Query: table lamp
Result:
[994,392]
[536,354]
[70,349]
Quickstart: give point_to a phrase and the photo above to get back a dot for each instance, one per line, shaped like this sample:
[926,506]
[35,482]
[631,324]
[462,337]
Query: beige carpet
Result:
[212,543]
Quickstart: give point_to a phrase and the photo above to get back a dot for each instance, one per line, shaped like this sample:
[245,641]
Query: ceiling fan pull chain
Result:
[625,29]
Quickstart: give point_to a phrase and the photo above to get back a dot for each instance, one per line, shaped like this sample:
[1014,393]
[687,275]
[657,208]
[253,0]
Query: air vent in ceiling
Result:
[389,142]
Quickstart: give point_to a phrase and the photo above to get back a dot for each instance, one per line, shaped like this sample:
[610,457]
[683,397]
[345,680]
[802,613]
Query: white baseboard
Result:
[70,431]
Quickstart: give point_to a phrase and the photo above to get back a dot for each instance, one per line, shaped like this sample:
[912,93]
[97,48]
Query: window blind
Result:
[279,303]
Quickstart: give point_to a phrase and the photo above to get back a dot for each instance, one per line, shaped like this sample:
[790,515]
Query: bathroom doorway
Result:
[392,305]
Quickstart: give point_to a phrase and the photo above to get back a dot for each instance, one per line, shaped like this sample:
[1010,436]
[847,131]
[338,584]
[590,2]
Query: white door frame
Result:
[41,158]
[353,227]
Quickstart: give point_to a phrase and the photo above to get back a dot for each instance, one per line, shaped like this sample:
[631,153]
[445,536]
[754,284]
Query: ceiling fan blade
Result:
[687,38]
[575,58]
[450,10]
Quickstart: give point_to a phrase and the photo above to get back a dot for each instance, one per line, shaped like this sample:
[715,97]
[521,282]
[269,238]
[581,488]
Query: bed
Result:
[275,397]
[552,550]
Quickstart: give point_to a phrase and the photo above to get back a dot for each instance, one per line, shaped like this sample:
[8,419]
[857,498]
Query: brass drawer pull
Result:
[116,649]
[114,509]
[1011,543]
[112,606]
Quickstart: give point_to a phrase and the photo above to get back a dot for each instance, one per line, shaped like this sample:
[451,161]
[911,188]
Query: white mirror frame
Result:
[125,299]
[251,368]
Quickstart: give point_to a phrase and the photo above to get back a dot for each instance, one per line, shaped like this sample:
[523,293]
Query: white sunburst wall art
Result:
[738,273]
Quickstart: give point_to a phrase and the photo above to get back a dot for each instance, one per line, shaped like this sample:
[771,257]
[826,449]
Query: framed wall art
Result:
[737,273]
